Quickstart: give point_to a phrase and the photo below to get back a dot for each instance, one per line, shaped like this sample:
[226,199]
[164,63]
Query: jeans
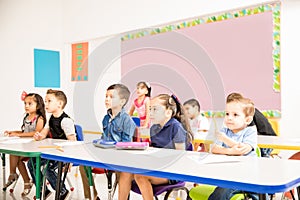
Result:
[226,193]
[50,173]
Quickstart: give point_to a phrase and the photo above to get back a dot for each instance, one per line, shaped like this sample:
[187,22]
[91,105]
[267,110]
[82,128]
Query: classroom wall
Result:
[24,25]
[55,24]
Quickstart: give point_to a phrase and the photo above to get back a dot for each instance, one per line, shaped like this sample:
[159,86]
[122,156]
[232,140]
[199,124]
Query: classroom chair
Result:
[79,137]
[109,173]
[202,192]
[290,194]
[168,189]
[137,121]
[109,176]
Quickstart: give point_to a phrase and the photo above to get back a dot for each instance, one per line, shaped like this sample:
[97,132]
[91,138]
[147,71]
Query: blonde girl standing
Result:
[33,122]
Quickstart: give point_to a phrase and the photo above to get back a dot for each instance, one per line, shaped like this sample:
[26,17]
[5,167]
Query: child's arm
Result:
[68,126]
[71,137]
[12,133]
[147,120]
[38,128]
[225,139]
[180,146]
[41,135]
[237,150]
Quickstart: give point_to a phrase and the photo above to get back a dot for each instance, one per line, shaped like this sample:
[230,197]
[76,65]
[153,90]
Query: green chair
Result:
[202,192]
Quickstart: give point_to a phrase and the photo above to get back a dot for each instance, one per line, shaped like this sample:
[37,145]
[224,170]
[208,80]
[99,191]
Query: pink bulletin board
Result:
[209,57]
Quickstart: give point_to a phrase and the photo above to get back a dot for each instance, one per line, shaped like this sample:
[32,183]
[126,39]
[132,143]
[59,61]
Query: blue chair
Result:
[137,121]
[79,137]
[168,188]
[79,133]
[136,135]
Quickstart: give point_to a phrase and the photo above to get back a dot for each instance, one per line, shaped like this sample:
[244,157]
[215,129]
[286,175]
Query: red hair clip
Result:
[23,95]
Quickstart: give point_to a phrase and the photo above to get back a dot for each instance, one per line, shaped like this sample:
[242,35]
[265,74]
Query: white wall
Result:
[101,18]
[24,25]
[290,92]
[54,24]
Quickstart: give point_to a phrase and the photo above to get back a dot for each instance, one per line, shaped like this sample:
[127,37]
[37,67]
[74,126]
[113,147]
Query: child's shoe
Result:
[27,188]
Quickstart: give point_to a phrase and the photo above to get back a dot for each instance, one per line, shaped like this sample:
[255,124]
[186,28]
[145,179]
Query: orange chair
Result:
[109,175]
[290,194]
[275,125]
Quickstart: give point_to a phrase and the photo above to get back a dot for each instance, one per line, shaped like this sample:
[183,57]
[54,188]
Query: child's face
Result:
[191,111]
[30,105]
[141,90]
[52,104]
[158,113]
[235,118]
[112,99]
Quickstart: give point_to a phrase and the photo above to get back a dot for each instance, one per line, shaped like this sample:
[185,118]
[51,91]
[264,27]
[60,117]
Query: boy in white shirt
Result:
[199,123]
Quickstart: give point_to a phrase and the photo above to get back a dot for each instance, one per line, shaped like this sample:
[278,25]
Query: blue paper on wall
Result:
[46,68]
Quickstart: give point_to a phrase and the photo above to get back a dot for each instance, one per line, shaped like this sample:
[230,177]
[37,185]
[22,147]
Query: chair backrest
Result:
[79,132]
[190,147]
[275,125]
[137,121]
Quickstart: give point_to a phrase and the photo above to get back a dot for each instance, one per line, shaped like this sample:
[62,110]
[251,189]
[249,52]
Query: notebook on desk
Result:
[132,145]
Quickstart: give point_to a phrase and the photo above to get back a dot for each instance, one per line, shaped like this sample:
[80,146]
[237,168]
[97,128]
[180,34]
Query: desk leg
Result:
[58,180]
[38,178]
[263,196]
[3,168]
[88,171]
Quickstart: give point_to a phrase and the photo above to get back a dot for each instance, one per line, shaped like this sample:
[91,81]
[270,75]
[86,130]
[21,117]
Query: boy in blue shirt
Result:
[59,126]
[236,138]
[117,124]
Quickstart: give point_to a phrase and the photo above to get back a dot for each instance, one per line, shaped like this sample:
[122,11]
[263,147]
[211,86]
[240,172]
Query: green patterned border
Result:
[274,7]
[221,114]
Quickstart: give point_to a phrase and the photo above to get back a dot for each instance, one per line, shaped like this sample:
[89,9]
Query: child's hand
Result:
[240,149]
[6,133]
[37,136]
[220,136]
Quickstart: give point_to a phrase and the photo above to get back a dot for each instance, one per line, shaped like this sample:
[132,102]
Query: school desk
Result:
[259,175]
[26,147]
[278,142]
[263,141]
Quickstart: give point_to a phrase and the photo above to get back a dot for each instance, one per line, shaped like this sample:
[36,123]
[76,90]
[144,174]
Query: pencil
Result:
[53,146]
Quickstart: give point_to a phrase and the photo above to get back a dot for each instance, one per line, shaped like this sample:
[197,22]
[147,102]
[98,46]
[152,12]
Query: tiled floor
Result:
[77,194]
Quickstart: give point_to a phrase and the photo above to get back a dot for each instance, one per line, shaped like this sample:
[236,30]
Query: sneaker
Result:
[65,195]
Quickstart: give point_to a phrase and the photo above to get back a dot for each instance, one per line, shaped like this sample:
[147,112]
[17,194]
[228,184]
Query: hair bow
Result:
[23,95]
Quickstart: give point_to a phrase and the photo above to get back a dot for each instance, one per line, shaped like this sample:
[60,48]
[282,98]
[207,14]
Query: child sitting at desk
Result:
[33,121]
[261,122]
[117,124]
[237,138]
[60,126]
[171,130]
[199,124]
